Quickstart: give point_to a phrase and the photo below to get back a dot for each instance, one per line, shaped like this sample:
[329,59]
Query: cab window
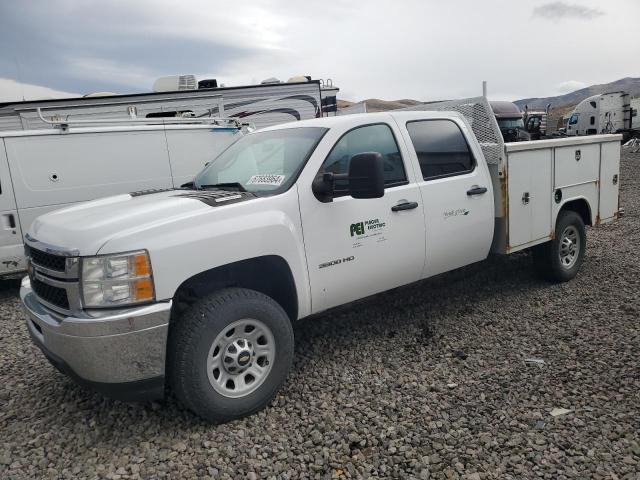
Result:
[369,138]
[441,148]
[574,119]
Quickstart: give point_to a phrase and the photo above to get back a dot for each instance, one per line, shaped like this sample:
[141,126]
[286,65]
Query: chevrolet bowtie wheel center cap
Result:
[238,355]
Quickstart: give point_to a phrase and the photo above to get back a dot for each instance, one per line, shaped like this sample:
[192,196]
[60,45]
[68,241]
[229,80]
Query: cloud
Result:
[123,46]
[560,10]
[11,91]
[370,48]
[569,86]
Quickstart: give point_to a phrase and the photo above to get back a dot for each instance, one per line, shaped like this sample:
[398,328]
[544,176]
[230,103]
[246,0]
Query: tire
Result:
[240,353]
[557,260]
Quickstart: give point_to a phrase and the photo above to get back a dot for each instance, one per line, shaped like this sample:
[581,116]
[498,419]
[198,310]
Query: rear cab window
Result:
[441,148]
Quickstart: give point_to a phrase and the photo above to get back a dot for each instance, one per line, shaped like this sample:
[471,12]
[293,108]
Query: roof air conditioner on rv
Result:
[171,83]
[299,79]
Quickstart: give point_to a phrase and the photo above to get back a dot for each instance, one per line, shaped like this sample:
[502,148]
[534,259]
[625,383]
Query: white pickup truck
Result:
[197,288]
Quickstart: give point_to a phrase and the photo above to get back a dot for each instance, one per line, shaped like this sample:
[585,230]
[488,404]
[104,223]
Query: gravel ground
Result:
[428,381]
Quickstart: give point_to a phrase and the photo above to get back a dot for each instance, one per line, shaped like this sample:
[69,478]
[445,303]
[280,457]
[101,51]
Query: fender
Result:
[579,204]
[267,226]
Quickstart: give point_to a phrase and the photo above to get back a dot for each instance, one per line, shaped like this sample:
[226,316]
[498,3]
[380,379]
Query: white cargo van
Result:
[47,169]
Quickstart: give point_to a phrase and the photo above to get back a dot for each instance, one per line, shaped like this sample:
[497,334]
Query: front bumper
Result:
[120,353]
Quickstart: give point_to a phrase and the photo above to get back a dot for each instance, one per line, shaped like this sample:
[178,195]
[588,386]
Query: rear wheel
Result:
[229,354]
[560,259]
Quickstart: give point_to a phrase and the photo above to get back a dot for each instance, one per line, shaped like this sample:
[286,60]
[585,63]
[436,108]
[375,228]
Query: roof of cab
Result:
[360,118]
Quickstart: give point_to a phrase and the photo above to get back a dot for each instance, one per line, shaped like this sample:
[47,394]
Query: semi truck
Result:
[510,120]
[196,289]
[613,112]
[536,122]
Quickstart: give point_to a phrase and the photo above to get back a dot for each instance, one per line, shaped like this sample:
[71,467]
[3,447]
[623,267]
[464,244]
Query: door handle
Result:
[404,206]
[9,221]
[476,190]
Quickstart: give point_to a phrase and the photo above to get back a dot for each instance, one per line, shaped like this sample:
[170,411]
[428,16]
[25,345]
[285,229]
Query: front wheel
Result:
[560,259]
[229,354]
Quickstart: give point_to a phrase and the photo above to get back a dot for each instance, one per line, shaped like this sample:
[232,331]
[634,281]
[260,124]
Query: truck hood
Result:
[88,226]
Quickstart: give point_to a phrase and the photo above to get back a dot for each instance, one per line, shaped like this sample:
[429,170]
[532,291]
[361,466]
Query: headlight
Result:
[116,280]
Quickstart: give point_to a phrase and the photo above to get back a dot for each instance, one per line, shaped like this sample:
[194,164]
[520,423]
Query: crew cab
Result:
[196,288]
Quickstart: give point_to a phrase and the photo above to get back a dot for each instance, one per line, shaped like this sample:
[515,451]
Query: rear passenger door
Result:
[456,192]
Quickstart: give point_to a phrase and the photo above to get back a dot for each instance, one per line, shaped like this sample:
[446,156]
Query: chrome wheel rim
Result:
[569,247]
[240,358]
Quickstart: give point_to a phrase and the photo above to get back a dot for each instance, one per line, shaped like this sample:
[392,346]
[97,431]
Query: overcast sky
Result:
[370,48]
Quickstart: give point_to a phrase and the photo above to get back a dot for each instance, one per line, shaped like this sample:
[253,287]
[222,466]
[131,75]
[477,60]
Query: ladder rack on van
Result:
[217,121]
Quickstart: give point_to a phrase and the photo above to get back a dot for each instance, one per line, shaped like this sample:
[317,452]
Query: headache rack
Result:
[483,122]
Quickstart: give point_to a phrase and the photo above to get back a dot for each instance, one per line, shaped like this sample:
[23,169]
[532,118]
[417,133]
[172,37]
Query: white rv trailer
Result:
[605,113]
[107,144]
[42,170]
[263,105]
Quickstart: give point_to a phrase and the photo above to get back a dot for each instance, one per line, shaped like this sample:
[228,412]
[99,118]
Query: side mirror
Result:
[364,180]
[366,175]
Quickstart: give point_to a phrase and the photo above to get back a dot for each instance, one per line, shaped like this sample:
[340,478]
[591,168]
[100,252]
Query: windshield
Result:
[574,119]
[262,162]
[510,123]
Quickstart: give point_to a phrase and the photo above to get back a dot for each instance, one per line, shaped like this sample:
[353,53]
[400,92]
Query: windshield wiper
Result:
[233,186]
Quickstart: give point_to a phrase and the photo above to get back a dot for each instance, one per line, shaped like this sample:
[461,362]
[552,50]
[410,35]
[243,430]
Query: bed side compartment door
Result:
[530,192]
[609,181]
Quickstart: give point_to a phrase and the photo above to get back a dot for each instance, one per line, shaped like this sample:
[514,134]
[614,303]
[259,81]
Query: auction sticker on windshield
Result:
[275,180]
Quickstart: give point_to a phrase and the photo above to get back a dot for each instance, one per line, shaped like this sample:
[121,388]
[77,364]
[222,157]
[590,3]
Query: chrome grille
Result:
[54,276]
[47,260]
[54,296]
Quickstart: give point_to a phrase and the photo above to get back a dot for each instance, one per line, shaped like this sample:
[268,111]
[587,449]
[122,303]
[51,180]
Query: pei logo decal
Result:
[360,228]
[372,230]
[356,229]
[578,155]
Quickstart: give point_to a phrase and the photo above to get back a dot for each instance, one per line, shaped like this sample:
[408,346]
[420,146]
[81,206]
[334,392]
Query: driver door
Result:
[359,247]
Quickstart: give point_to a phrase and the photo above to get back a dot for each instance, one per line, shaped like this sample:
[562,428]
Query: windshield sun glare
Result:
[262,162]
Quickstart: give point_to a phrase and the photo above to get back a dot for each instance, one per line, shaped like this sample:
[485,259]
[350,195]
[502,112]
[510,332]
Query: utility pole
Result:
[484,88]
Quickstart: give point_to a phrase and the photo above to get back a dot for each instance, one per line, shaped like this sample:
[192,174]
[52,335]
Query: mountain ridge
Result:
[627,84]
[630,85]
